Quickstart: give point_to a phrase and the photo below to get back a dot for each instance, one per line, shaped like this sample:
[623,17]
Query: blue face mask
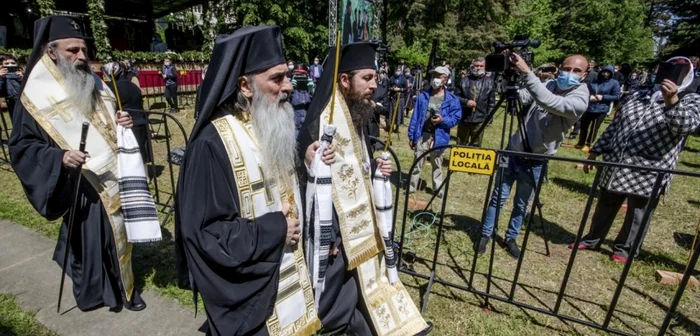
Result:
[652,78]
[566,80]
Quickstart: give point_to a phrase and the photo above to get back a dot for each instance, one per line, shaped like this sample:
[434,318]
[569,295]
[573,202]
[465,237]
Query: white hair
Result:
[273,124]
[80,85]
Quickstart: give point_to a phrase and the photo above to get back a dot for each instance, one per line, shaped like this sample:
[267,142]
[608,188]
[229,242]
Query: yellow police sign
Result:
[472,160]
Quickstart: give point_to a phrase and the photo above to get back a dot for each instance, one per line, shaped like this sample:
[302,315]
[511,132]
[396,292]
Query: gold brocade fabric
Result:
[46,100]
[295,310]
[391,310]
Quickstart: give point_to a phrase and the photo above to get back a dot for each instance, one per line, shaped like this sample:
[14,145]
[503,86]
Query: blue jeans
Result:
[517,171]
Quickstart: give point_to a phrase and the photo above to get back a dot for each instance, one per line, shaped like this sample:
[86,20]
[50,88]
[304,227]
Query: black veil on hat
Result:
[248,50]
[49,29]
[353,56]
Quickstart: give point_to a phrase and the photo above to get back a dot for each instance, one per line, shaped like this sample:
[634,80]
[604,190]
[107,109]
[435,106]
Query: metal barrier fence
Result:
[162,138]
[5,133]
[163,133]
[486,294]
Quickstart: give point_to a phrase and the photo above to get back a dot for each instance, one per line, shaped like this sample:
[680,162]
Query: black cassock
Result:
[92,262]
[338,308]
[234,263]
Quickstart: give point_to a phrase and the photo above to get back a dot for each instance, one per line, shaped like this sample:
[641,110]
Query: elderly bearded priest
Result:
[353,266]
[114,207]
[238,196]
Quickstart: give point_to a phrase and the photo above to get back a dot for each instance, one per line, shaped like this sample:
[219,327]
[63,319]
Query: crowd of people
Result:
[276,210]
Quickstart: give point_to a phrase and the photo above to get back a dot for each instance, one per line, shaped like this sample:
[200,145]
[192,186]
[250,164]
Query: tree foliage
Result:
[46,7]
[305,23]
[677,26]
[609,31]
[96,11]
[612,31]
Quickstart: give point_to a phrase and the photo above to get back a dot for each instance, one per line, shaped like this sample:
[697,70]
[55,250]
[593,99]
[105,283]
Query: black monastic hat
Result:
[353,56]
[49,29]
[357,56]
[247,51]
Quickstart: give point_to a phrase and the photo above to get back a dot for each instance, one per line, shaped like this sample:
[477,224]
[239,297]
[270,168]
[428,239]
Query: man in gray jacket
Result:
[555,107]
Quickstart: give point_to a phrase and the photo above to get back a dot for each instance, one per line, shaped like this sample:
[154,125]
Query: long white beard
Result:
[273,123]
[80,86]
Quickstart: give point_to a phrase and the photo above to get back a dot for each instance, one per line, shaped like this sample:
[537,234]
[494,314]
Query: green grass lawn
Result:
[642,304]
[16,322]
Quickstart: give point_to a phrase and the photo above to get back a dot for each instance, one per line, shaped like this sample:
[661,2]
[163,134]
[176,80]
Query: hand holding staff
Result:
[71,214]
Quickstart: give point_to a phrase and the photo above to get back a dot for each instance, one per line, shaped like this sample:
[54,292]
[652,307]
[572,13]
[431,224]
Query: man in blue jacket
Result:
[436,112]
[604,90]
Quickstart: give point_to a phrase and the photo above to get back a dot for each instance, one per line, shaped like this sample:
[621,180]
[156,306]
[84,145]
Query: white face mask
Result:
[291,67]
[316,62]
[166,63]
[436,83]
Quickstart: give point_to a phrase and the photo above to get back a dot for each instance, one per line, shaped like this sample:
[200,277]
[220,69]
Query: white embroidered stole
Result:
[391,309]
[295,310]
[352,196]
[46,100]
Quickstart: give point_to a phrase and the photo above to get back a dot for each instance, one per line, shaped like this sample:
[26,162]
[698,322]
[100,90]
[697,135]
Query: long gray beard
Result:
[80,86]
[273,123]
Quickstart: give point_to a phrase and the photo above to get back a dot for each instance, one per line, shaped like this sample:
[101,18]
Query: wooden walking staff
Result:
[116,92]
[673,278]
[393,121]
[71,215]
[335,75]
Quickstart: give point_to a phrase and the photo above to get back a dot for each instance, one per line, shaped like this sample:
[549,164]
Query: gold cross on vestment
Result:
[265,185]
[61,109]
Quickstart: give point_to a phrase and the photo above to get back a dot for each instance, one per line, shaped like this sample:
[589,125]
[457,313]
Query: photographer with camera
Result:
[555,107]
[436,112]
[649,131]
[10,81]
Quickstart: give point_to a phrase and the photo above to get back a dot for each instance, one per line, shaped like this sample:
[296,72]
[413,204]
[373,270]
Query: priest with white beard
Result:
[114,207]
[238,201]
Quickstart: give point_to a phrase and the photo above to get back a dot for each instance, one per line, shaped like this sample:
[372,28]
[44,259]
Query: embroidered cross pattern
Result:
[261,184]
[61,109]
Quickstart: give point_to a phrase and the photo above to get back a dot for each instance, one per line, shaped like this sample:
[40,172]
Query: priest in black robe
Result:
[338,306]
[47,173]
[231,259]
[345,307]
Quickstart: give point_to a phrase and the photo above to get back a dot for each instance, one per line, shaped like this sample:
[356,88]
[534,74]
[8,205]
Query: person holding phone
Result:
[436,112]
[10,81]
[649,131]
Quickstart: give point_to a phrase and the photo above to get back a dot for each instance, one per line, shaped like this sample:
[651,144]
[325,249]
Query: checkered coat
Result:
[645,134]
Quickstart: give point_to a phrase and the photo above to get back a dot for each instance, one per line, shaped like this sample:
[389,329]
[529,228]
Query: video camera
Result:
[382,47]
[499,61]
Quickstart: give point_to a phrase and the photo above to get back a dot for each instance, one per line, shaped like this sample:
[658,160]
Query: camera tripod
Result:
[513,110]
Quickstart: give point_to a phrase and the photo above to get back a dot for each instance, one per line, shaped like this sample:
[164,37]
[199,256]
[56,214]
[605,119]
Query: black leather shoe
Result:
[135,307]
[483,243]
[512,248]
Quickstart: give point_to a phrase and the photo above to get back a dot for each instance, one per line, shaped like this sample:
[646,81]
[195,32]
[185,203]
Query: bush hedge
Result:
[137,56]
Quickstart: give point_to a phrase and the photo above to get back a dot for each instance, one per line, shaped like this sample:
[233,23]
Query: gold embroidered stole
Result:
[392,311]
[295,310]
[46,100]
[352,196]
